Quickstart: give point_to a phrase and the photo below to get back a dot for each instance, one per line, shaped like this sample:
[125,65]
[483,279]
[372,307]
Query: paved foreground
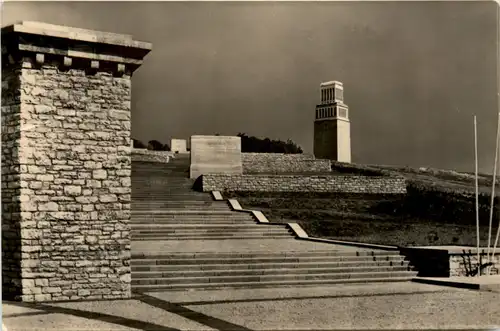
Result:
[394,306]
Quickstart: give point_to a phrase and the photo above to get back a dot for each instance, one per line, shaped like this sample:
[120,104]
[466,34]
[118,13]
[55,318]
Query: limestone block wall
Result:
[66,185]
[282,163]
[145,155]
[301,183]
[75,185]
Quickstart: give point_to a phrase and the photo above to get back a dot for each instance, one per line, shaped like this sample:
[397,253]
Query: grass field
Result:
[439,209]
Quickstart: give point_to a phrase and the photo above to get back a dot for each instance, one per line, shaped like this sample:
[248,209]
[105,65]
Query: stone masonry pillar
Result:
[66,163]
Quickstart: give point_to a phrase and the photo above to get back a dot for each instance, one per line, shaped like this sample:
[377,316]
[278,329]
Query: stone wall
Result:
[66,185]
[282,163]
[462,264]
[303,183]
[145,155]
[448,262]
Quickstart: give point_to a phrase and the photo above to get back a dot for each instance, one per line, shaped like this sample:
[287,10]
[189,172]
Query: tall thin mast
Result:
[477,193]
[498,105]
[492,206]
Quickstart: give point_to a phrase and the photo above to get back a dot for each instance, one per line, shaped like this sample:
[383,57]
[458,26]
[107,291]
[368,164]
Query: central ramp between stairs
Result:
[183,239]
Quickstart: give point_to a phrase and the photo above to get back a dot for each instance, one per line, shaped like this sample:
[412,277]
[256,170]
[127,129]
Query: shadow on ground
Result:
[49,308]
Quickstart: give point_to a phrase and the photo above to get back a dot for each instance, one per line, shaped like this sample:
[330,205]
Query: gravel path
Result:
[108,315]
[450,309]
[266,294]
[395,306]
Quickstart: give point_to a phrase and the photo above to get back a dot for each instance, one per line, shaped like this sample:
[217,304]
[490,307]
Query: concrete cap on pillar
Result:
[72,47]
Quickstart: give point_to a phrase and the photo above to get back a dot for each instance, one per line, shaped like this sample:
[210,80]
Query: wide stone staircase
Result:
[183,239]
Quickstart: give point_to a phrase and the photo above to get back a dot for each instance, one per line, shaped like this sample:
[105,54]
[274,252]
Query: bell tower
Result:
[332,128]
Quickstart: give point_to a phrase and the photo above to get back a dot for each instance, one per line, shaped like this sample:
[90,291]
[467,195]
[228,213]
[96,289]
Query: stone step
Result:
[207,236]
[205,233]
[165,197]
[179,196]
[187,204]
[178,204]
[164,175]
[180,208]
[202,198]
[162,205]
[170,175]
[166,182]
[195,216]
[165,169]
[270,278]
[173,198]
[161,184]
[146,177]
[181,220]
[172,162]
[266,272]
[229,213]
[160,166]
[175,221]
[204,237]
[167,187]
[252,254]
[167,191]
[302,265]
[167,172]
[183,202]
[143,172]
[333,258]
[207,227]
[282,284]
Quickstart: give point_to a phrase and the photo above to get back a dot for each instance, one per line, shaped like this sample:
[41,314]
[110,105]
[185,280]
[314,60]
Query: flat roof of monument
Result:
[66,32]
[332,82]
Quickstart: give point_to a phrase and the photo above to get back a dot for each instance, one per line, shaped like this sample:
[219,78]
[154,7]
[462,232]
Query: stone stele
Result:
[66,162]
[215,155]
[178,145]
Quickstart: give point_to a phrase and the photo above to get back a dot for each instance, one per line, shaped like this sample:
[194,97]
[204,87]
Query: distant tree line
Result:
[249,144]
[153,145]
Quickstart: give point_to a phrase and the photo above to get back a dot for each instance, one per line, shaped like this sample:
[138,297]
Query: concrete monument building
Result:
[332,128]
[178,145]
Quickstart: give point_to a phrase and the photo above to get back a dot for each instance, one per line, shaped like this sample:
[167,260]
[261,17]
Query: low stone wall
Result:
[462,264]
[282,163]
[451,262]
[146,155]
[301,183]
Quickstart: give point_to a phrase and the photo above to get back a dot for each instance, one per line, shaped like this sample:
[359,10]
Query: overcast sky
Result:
[414,73]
